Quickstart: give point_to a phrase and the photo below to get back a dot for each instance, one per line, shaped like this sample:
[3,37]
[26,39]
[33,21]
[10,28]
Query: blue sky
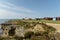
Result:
[15,9]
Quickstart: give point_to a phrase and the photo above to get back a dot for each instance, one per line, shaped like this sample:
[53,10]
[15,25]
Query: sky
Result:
[16,9]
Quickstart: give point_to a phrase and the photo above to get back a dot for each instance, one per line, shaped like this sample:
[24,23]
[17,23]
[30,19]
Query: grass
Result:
[50,21]
[45,21]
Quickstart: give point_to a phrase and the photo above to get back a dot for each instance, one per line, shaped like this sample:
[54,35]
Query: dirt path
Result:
[57,26]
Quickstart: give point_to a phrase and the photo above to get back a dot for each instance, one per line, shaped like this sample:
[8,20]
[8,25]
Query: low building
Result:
[57,18]
[38,18]
[48,18]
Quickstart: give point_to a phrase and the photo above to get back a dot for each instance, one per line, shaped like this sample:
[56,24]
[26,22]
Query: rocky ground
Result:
[37,31]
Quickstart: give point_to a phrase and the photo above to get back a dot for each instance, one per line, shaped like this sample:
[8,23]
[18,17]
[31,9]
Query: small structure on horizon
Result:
[39,18]
[57,18]
[48,18]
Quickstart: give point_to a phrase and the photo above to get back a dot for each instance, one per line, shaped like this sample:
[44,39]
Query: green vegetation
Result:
[29,34]
[18,38]
[41,21]
[50,21]
[45,21]
[40,35]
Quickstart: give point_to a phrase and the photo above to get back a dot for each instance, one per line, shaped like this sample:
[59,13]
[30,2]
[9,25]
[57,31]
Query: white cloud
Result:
[7,13]
[14,7]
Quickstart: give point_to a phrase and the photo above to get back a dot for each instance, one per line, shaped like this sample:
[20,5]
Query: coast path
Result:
[56,26]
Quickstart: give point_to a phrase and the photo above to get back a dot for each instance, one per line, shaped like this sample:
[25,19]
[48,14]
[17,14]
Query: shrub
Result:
[28,34]
[18,38]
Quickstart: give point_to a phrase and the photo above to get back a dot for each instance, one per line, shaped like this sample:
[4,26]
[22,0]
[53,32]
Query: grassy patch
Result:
[45,21]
